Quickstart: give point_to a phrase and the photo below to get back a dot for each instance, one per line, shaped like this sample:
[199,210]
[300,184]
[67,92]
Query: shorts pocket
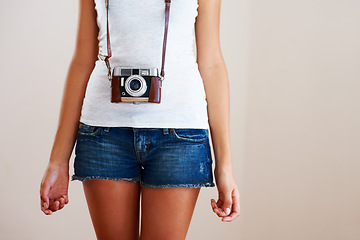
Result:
[189,135]
[87,130]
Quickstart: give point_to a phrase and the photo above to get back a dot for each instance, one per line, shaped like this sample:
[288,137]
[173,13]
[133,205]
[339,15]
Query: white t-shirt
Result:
[136,35]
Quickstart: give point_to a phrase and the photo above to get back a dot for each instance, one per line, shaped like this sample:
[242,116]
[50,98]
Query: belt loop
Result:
[165,130]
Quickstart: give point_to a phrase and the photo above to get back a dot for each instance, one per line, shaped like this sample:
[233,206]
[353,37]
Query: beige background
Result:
[295,113]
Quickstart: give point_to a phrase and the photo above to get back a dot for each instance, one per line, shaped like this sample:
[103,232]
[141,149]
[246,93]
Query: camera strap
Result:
[106,58]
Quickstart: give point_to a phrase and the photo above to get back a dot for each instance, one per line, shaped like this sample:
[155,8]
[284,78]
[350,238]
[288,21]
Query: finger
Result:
[42,204]
[218,210]
[52,205]
[56,206]
[214,207]
[216,204]
[66,198]
[227,203]
[44,195]
[47,211]
[236,209]
[213,204]
[231,217]
[62,202]
[236,203]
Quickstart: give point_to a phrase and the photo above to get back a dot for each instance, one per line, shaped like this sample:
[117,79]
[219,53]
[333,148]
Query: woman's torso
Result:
[136,35]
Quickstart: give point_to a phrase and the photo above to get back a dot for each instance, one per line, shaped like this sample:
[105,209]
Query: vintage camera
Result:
[136,85]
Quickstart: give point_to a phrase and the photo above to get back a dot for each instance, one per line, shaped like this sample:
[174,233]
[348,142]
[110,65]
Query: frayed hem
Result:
[187,185]
[74,177]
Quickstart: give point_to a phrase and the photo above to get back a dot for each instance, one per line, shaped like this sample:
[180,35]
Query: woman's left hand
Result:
[228,204]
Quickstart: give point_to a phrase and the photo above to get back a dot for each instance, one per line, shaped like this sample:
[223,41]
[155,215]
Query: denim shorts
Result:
[157,157]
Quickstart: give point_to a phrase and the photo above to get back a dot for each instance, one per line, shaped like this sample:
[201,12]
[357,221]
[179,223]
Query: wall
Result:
[295,114]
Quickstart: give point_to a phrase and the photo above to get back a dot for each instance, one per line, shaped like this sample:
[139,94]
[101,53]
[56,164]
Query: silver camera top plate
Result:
[152,71]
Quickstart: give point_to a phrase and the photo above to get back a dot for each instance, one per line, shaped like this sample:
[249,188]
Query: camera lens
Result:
[135,84]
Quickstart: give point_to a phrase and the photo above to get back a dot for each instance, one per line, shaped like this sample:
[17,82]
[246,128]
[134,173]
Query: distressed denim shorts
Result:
[157,157]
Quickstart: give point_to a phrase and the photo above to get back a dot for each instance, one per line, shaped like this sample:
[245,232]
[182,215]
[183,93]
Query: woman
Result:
[159,150]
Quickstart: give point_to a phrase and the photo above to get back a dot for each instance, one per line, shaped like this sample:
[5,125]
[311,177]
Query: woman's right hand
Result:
[54,188]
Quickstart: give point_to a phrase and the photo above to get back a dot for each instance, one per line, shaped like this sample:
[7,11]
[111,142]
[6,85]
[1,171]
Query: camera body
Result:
[136,85]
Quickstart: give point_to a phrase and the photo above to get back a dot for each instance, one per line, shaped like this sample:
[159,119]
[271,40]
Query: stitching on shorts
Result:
[208,153]
[182,139]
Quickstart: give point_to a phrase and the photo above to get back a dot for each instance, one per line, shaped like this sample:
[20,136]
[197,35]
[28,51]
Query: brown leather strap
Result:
[108,40]
[107,29]
[167,15]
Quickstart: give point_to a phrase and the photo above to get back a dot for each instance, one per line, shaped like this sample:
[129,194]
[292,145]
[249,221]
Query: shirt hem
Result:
[144,125]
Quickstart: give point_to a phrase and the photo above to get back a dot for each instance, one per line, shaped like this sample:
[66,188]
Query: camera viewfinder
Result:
[136,71]
[125,72]
[145,72]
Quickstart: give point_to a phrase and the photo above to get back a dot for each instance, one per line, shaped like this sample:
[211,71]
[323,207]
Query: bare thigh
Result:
[166,212]
[114,208]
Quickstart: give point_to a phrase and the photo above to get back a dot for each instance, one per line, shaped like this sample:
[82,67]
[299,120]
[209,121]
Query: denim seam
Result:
[209,154]
[95,133]
[182,139]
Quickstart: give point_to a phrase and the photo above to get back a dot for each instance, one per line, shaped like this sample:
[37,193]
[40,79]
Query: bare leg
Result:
[166,212]
[114,208]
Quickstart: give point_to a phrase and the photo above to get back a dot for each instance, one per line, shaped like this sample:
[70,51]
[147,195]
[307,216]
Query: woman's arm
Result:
[214,73]
[81,66]
[54,185]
